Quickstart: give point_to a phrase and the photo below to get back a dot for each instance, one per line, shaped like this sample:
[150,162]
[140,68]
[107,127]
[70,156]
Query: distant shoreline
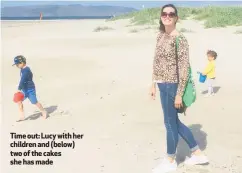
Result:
[54,18]
[41,21]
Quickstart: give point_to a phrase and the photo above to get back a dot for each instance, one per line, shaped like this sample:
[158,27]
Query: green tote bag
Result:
[189,96]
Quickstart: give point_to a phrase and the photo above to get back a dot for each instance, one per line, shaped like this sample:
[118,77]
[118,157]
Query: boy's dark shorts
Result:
[31,95]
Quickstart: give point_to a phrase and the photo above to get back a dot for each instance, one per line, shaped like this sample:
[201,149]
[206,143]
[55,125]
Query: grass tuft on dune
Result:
[102,28]
[213,16]
[238,31]
[184,30]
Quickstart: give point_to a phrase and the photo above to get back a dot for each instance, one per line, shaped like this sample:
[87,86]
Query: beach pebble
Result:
[123,114]
[101,97]
[65,113]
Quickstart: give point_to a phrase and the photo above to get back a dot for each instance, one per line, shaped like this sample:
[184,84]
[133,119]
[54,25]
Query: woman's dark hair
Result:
[162,27]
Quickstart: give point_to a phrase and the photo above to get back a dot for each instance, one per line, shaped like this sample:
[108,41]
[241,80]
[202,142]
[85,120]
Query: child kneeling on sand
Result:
[210,71]
[27,86]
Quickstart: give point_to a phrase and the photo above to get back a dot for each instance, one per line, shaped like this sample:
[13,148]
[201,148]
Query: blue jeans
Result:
[174,126]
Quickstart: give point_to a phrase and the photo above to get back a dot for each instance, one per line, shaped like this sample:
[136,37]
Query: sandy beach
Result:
[97,84]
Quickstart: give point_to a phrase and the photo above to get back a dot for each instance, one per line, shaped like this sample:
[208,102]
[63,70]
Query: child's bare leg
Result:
[44,113]
[21,109]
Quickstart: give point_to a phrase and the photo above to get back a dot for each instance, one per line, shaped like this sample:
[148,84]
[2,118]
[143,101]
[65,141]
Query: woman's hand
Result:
[153,91]
[178,102]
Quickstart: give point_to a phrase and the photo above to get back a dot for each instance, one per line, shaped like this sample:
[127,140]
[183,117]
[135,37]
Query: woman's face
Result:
[168,16]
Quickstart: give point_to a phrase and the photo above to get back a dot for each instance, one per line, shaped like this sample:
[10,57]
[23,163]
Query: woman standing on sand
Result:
[166,71]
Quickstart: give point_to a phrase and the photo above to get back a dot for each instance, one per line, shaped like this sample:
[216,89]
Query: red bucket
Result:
[19,96]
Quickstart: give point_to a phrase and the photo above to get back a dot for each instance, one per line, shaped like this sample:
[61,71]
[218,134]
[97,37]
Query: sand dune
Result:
[97,84]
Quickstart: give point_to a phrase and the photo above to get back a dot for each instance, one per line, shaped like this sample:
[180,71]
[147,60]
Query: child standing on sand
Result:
[27,86]
[210,71]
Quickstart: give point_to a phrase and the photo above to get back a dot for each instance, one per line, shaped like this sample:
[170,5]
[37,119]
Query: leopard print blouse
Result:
[165,63]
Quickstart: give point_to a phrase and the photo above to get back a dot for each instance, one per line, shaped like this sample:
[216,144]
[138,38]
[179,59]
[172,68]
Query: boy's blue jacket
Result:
[26,81]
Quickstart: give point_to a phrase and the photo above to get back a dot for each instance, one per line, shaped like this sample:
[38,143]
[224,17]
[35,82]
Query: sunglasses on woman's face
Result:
[170,15]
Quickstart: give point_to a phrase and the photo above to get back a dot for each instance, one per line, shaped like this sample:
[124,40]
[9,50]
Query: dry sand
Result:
[97,84]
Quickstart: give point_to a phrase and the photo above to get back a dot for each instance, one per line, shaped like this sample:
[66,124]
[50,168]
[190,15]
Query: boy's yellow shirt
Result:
[210,70]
